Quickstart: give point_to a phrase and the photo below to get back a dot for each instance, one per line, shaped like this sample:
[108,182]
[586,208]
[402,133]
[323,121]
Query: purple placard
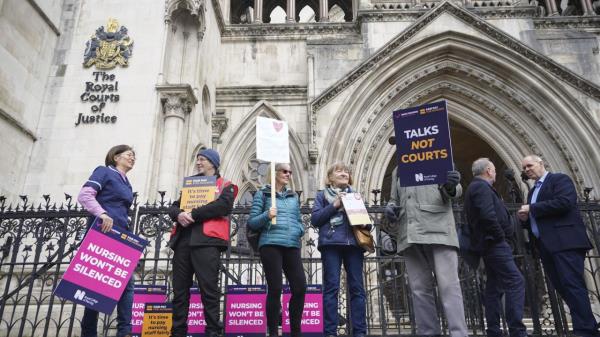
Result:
[245,311]
[196,322]
[312,316]
[423,144]
[143,294]
[101,268]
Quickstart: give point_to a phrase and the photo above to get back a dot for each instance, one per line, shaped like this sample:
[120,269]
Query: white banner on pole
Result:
[272,141]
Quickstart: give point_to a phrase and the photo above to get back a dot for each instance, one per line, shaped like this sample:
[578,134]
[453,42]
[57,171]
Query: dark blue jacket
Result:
[114,194]
[329,235]
[488,218]
[288,230]
[557,215]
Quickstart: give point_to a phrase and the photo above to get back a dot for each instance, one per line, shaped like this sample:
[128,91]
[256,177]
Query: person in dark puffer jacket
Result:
[338,246]
[279,247]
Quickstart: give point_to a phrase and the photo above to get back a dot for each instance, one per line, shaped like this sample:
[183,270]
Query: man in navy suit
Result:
[555,223]
[491,227]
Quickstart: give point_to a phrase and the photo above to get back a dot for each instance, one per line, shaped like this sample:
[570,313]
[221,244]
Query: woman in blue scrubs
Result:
[108,195]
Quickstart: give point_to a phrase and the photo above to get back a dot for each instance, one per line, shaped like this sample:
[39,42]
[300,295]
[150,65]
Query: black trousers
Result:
[274,260]
[203,262]
[565,269]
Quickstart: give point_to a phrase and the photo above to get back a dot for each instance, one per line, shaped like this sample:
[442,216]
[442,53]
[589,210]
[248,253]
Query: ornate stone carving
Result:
[176,105]
[196,8]
[256,92]
[291,30]
[220,21]
[465,71]
[256,172]
[488,30]
[177,99]
[219,125]
[506,12]
[591,23]
[313,155]
[495,34]
[395,15]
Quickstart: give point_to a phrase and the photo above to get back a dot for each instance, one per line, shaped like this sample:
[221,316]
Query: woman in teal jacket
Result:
[279,247]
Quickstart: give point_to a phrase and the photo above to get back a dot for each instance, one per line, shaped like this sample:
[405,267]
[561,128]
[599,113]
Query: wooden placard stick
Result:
[273,191]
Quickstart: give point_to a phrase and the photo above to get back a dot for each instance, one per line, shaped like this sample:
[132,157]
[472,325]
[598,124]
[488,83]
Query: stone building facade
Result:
[518,77]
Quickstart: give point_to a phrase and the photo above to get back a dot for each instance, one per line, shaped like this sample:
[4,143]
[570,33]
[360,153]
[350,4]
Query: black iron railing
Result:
[38,242]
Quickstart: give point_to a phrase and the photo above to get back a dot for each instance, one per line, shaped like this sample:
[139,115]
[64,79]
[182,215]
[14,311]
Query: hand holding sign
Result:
[452,181]
[337,202]
[107,223]
[272,212]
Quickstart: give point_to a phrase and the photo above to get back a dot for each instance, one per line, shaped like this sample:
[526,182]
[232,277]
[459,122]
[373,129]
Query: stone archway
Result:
[239,152]
[504,98]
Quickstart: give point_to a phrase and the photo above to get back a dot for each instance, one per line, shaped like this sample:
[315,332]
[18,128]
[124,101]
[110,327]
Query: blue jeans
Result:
[352,257]
[503,278]
[89,322]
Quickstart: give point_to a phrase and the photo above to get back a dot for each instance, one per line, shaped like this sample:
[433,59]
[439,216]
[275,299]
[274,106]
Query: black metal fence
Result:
[38,242]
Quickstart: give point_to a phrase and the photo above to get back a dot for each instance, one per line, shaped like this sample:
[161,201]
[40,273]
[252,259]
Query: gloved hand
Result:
[390,213]
[452,181]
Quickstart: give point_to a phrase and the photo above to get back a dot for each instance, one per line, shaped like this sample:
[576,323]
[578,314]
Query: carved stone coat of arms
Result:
[108,47]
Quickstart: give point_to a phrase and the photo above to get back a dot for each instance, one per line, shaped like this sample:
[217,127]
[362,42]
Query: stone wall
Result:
[28,36]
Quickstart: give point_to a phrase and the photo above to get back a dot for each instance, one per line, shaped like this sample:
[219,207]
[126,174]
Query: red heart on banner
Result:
[278,126]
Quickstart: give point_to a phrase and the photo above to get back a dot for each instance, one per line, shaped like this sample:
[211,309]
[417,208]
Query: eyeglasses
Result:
[286,172]
[128,155]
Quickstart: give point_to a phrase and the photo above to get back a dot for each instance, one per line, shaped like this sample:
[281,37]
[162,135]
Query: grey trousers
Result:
[423,263]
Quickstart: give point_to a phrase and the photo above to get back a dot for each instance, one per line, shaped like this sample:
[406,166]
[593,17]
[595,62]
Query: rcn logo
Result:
[79,295]
[418,176]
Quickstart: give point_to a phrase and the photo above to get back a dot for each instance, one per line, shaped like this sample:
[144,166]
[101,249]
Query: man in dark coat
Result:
[491,228]
[556,226]
[197,249]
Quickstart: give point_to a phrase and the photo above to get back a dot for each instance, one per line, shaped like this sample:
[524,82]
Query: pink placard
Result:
[196,322]
[312,316]
[245,311]
[101,268]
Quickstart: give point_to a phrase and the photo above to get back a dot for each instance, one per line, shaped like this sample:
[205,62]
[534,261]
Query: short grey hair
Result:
[278,167]
[479,166]
[535,158]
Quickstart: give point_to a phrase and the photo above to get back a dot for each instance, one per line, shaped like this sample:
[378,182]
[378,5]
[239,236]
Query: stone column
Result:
[323,11]
[551,7]
[161,77]
[588,10]
[177,102]
[310,59]
[291,11]
[258,11]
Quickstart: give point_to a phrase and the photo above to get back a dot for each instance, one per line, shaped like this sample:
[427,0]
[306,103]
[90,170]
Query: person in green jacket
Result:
[279,247]
[426,235]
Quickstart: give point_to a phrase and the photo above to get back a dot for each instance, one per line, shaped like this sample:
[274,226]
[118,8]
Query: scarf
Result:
[330,194]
